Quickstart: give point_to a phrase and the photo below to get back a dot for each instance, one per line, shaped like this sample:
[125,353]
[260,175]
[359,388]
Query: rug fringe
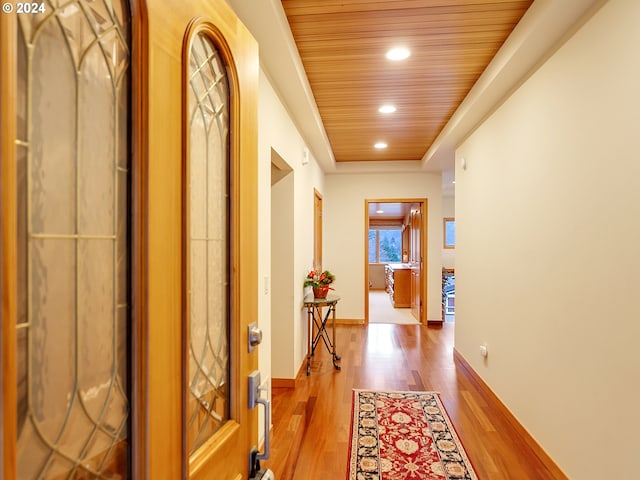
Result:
[433,392]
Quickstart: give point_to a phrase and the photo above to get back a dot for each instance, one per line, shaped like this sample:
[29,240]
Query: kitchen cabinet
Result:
[398,284]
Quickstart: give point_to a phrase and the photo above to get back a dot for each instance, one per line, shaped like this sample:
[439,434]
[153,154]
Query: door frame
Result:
[317,229]
[8,245]
[423,202]
[139,148]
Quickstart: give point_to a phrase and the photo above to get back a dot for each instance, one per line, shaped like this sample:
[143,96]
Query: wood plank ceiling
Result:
[343,43]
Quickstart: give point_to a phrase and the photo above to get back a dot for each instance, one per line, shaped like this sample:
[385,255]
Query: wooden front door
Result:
[128,246]
[202,286]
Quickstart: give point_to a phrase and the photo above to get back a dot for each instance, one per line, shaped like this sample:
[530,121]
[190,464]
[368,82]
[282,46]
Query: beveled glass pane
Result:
[122,113]
[96,151]
[114,419]
[99,15]
[73,253]
[122,353]
[58,466]
[30,23]
[96,320]
[21,167]
[217,215]
[198,84]
[198,309]
[208,166]
[21,98]
[217,295]
[23,352]
[30,466]
[97,449]
[115,49]
[53,335]
[120,13]
[198,177]
[77,28]
[53,127]
[77,431]
[121,239]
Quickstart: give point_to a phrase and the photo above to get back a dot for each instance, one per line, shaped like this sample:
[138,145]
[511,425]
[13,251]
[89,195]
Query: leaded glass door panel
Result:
[219,427]
[209,312]
[72,266]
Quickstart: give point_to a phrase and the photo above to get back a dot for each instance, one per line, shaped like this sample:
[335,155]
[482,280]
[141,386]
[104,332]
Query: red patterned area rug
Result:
[404,435]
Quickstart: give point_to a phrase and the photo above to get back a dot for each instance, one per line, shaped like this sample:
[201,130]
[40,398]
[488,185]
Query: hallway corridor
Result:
[311,423]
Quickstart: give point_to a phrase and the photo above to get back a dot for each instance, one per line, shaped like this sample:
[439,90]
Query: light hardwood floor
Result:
[311,423]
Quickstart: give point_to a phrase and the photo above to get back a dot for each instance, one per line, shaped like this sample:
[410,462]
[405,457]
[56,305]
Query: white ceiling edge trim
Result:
[399,166]
[543,29]
[279,58]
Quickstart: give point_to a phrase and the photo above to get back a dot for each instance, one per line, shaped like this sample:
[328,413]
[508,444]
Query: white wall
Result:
[448,210]
[548,242]
[278,132]
[344,237]
[282,278]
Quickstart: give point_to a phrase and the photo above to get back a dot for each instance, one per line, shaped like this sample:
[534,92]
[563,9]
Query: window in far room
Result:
[449,232]
[385,245]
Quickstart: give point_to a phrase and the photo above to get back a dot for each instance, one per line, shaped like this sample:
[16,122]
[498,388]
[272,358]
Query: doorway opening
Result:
[317,230]
[448,295]
[395,249]
[282,271]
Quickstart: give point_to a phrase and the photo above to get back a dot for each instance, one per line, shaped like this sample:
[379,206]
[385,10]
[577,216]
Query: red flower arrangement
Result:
[320,282]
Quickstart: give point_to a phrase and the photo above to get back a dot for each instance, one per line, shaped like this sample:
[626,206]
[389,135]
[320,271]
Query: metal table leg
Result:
[310,322]
[336,357]
[318,329]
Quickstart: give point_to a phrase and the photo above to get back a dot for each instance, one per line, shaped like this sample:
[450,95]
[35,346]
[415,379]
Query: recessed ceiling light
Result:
[380,145]
[387,109]
[398,53]
[379,211]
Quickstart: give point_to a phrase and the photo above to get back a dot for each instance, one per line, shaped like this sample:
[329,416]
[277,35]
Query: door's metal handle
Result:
[267,423]
[255,336]
[254,399]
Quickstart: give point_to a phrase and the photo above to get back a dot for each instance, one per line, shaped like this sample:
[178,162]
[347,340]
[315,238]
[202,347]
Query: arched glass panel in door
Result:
[208,304]
[73,250]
